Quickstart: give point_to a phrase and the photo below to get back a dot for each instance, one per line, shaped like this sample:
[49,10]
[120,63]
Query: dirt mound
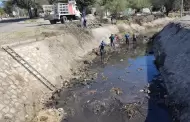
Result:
[171,47]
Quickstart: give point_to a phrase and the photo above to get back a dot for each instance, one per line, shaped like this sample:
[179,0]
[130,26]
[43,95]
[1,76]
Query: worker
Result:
[95,14]
[127,38]
[134,38]
[84,22]
[102,45]
[111,19]
[111,40]
[116,38]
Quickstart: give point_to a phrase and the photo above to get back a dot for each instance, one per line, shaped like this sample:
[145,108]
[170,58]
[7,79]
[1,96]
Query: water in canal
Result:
[116,94]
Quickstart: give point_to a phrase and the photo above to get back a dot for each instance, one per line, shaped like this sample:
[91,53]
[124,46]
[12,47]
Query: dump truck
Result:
[61,12]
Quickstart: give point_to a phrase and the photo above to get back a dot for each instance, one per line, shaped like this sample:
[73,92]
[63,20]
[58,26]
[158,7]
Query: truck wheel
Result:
[53,21]
[63,19]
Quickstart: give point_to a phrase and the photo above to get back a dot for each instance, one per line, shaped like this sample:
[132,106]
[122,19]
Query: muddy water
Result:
[118,94]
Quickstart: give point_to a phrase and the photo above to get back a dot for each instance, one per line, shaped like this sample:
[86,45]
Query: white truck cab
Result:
[63,12]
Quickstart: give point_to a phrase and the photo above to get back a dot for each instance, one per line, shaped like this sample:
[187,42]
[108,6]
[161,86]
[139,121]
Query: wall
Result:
[171,47]
[21,94]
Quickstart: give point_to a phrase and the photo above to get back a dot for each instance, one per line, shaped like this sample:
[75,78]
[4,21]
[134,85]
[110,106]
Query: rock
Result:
[139,69]
[142,90]
[165,96]
[43,118]
[37,48]
[118,91]
[91,92]
[104,77]
[148,91]
[148,85]
[147,96]
[121,60]
[60,110]
[86,62]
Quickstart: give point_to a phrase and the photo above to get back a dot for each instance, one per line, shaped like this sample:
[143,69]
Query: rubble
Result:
[117,91]
[50,115]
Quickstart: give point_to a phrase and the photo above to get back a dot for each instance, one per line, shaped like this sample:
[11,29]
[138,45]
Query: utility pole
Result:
[181,13]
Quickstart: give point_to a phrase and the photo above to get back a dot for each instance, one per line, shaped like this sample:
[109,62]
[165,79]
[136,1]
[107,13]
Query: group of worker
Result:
[114,38]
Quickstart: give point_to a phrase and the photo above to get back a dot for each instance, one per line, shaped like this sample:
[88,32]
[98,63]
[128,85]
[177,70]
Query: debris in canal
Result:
[127,72]
[121,60]
[145,90]
[91,92]
[87,62]
[37,48]
[50,115]
[117,91]
[142,90]
[131,109]
[104,77]
[139,69]
[43,118]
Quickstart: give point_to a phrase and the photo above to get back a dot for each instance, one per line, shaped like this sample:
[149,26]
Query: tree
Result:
[113,6]
[139,4]
[31,5]
[84,5]
[187,5]
[116,6]
[168,4]
[1,11]
[8,7]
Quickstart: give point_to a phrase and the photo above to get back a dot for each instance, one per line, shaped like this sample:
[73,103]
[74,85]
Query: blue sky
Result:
[0,3]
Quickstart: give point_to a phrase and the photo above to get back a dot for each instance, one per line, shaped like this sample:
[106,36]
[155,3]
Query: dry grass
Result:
[31,21]
[49,115]
[121,29]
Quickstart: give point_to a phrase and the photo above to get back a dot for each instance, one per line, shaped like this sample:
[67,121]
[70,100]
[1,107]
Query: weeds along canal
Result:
[127,88]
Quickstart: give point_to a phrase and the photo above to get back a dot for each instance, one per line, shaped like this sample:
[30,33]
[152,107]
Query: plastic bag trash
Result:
[88,86]
[142,90]
[139,69]
[121,60]
[148,91]
[117,91]
[60,109]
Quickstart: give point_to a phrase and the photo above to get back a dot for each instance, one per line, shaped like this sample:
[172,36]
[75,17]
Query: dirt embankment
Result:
[171,47]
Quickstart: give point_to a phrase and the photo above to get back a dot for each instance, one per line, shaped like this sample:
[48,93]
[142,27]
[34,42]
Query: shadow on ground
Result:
[157,103]
[14,20]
